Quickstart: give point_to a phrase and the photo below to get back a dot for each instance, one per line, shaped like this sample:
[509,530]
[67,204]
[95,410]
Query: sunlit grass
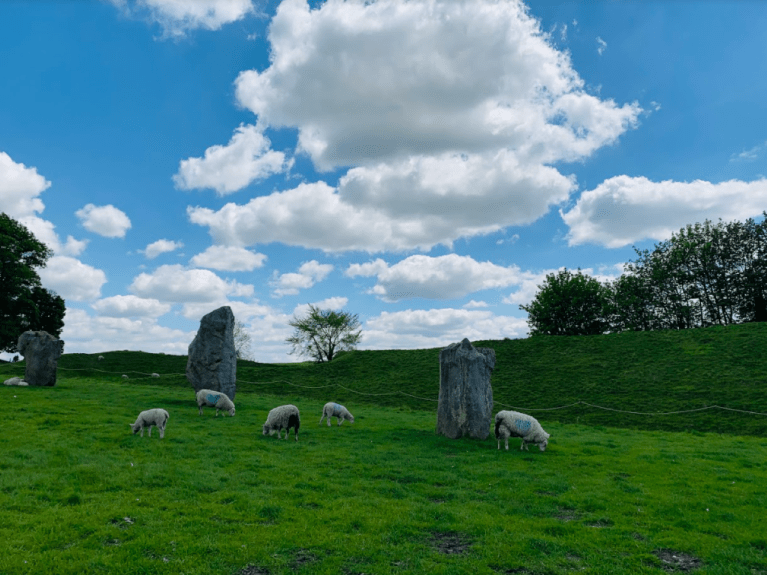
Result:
[80,494]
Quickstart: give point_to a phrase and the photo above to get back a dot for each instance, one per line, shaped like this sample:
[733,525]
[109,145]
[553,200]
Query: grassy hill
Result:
[665,371]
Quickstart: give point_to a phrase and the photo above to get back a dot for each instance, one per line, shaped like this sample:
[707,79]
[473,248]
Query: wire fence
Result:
[398,392]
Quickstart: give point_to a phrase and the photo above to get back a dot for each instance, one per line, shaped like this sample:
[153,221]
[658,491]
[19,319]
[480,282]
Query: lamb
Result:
[15,381]
[283,417]
[217,399]
[335,410]
[515,424]
[125,376]
[157,417]
[155,375]
[101,357]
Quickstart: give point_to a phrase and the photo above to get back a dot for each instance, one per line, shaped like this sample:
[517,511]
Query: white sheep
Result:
[283,417]
[157,417]
[217,399]
[515,424]
[15,381]
[125,376]
[101,357]
[155,375]
[335,410]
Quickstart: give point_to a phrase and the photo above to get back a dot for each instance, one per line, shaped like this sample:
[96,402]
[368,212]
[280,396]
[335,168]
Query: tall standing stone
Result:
[212,362]
[41,351]
[465,394]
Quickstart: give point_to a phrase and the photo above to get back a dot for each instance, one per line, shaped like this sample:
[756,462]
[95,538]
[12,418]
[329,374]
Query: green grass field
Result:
[612,494]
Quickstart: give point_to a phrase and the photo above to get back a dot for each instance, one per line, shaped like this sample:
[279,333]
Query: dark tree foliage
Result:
[323,333]
[569,304]
[631,304]
[24,303]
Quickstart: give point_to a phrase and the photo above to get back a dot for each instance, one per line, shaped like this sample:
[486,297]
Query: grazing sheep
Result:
[217,399]
[101,357]
[155,375]
[335,410]
[515,424]
[15,381]
[157,417]
[283,417]
[125,376]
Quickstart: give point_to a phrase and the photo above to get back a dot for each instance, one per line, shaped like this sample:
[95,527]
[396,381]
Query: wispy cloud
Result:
[602,45]
[749,155]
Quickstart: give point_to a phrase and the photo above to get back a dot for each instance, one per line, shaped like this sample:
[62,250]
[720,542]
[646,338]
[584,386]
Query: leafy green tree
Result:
[749,248]
[569,304]
[323,333]
[631,305]
[24,303]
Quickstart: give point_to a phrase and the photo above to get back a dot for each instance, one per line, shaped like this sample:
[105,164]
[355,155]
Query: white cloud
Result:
[602,46]
[175,284]
[107,221]
[19,187]
[160,247]
[414,329]
[72,279]
[308,274]
[130,306]
[177,17]
[86,334]
[474,304]
[442,277]
[447,112]
[228,258]
[332,303]
[227,169]
[623,210]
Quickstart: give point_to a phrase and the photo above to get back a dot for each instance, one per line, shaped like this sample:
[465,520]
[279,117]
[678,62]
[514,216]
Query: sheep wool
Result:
[515,424]
[15,381]
[151,417]
[336,410]
[283,417]
[217,399]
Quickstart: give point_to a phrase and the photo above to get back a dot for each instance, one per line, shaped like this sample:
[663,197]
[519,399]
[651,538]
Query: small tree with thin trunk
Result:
[242,341]
[323,333]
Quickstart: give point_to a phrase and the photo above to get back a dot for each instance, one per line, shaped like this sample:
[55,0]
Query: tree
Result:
[242,341]
[323,333]
[569,304]
[631,306]
[24,303]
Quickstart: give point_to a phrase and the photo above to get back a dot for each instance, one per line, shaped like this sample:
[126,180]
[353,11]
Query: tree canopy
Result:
[323,333]
[242,341]
[569,304]
[24,303]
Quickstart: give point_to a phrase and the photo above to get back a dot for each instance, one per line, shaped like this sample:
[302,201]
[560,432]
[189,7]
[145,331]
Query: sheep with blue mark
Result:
[217,399]
[515,424]
[151,417]
[283,417]
[338,411]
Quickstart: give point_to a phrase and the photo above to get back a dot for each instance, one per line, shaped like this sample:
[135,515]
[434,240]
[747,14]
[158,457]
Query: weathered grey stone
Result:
[465,395]
[212,362]
[41,351]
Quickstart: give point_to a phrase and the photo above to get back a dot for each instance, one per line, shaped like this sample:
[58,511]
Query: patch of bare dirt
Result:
[450,543]
[253,570]
[676,561]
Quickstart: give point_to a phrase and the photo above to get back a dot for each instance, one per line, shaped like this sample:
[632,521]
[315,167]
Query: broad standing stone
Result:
[212,362]
[465,394]
[41,351]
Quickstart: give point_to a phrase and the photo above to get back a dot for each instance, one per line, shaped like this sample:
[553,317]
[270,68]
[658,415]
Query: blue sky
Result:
[423,164]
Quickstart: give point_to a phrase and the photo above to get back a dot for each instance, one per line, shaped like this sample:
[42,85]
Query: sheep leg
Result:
[142,431]
[162,432]
[200,406]
[150,431]
[340,420]
[323,417]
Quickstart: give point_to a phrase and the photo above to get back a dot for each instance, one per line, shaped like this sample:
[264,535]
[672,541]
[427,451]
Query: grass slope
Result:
[640,371]
[80,494]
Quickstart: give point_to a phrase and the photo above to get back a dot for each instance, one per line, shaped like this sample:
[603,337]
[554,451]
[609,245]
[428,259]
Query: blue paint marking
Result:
[337,409]
[522,425]
[212,398]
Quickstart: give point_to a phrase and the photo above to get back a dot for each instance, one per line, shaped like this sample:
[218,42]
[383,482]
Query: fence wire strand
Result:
[579,402]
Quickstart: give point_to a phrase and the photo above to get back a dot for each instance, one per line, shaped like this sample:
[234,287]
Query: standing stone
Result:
[465,394]
[212,362]
[41,351]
